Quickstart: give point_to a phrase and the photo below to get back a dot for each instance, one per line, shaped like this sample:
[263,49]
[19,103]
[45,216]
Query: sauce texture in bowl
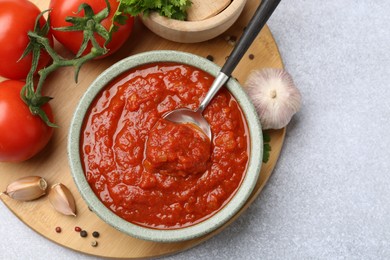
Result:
[172,193]
[194,182]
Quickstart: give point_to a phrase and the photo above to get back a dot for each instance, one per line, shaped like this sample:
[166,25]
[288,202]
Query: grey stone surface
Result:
[329,195]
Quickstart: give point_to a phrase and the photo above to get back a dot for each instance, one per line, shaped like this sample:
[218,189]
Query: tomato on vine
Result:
[91,29]
[22,134]
[73,39]
[17,19]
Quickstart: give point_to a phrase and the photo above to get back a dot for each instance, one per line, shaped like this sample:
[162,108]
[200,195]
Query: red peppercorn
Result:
[58,229]
[77,229]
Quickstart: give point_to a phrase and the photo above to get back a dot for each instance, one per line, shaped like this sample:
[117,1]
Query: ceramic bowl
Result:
[194,31]
[191,232]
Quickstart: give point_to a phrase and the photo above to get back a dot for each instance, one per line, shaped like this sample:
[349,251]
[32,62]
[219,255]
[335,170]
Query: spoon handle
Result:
[263,12]
[261,16]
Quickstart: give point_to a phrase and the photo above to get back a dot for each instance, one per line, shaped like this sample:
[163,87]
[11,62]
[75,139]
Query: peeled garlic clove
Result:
[62,199]
[274,95]
[27,188]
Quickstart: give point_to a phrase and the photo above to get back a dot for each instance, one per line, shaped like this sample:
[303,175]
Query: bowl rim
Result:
[195,26]
[157,235]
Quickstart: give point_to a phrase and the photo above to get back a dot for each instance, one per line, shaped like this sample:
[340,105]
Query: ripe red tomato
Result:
[17,18]
[22,134]
[72,40]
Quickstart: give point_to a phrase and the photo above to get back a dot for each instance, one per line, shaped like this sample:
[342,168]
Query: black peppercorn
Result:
[95,234]
[251,56]
[210,57]
[83,233]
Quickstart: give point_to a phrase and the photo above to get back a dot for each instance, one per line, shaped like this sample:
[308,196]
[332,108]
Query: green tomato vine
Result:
[89,24]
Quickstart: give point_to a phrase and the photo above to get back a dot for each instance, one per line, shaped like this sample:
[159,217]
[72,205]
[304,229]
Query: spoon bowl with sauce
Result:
[259,19]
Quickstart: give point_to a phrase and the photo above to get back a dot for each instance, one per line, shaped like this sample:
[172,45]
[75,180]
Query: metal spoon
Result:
[185,115]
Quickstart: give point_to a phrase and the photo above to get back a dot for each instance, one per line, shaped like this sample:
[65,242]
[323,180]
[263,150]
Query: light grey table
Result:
[329,195]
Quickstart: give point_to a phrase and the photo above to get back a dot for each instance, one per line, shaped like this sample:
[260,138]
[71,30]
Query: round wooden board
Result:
[52,163]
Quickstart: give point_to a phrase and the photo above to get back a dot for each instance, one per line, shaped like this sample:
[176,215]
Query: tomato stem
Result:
[89,24]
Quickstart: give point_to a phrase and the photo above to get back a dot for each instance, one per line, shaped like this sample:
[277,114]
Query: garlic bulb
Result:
[274,95]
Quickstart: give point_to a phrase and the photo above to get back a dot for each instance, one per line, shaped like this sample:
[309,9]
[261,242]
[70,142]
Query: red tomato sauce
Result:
[176,149]
[149,178]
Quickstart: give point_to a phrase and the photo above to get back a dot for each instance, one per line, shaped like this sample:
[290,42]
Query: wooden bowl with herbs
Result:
[200,21]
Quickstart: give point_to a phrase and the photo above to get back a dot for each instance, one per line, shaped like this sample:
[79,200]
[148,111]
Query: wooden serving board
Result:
[52,162]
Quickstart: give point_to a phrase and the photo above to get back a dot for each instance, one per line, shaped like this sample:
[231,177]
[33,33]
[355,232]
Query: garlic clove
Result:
[27,188]
[274,95]
[62,199]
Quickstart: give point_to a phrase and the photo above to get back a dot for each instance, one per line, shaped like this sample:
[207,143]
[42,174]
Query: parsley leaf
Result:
[267,147]
[175,9]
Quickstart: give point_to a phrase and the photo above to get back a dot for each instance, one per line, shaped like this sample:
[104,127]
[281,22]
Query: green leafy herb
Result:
[267,147]
[175,9]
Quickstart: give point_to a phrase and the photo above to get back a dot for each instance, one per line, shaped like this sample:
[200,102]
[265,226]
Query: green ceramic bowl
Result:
[194,231]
